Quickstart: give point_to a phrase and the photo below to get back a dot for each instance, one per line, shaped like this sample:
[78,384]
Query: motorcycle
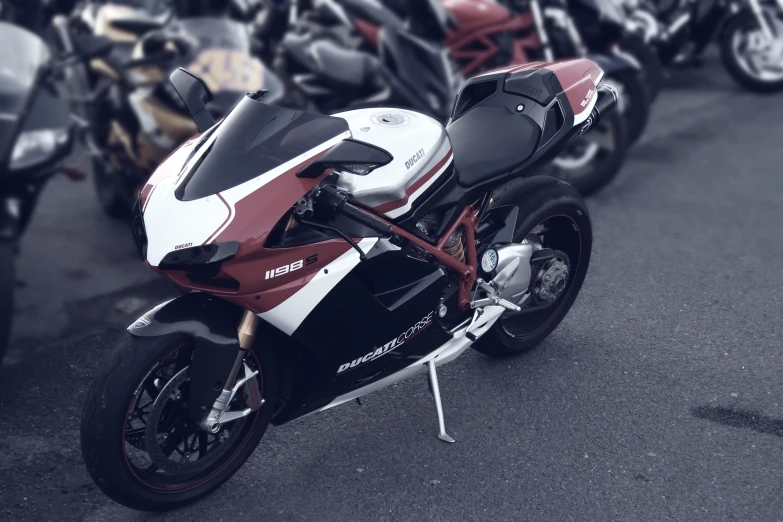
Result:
[749,33]
[36,133]
[577,27]
[468,29]
[330,65]
[335,256]
[136,119]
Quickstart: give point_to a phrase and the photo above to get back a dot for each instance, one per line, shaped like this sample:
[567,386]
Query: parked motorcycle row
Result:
[349,192]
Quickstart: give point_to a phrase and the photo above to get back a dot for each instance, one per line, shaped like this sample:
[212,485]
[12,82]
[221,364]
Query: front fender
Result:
[212,324]
[615,63]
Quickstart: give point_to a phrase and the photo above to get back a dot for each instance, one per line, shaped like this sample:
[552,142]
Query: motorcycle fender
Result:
[615,63]
[212,324]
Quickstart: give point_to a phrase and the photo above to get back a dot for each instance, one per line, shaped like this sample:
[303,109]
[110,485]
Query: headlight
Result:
[36,146]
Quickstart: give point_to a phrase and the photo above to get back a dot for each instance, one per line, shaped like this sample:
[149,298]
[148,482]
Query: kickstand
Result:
[442,435]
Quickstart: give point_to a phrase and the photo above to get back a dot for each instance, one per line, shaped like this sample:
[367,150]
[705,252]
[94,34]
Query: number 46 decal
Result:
[296,265]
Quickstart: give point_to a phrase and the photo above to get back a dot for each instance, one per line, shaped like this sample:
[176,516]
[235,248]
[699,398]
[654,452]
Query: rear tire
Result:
[107,416]
[636,107]
[744,22]
[542,200]
[7,287]
[601,170]
[647,57]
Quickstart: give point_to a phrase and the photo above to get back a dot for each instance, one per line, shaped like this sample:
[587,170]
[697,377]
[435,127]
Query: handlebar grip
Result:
[368,220]
[606,102]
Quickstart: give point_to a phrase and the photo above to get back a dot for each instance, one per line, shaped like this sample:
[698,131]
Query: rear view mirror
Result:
[353,156]
[195,95]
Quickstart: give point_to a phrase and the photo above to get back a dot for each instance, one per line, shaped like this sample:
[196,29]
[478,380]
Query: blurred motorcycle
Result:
[36,133]
[135,117]
[749,33]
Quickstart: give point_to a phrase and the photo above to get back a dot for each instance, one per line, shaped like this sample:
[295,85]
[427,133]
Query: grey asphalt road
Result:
[660,397]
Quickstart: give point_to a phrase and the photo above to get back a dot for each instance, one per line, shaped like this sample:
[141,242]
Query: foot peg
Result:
[492,297]
[442,435]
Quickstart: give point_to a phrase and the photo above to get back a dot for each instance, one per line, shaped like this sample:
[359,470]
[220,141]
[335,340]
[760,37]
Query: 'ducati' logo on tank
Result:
[391,345]
[414,159]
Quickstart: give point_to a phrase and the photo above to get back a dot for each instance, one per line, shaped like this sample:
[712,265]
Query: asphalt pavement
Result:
[660,397]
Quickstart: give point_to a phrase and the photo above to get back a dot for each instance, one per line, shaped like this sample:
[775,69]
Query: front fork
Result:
[758,12]
[219,413]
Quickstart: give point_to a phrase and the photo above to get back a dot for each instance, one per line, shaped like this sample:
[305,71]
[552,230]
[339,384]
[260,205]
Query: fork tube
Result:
[246,334]
[755,6]
[543,36]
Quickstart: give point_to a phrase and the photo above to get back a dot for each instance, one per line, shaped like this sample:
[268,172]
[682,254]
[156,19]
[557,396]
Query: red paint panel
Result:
[578,78]
[368,30]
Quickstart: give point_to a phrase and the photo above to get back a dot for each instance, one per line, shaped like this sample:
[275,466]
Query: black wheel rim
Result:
[186,438]
[561,233]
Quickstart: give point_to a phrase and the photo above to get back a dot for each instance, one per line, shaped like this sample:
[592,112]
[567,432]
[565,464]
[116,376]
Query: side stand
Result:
[442,435]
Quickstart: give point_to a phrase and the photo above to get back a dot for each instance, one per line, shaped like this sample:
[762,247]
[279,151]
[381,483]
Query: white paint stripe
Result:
[288,315]
[582,116]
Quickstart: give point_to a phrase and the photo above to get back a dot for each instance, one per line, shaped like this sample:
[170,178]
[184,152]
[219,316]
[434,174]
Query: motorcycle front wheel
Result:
[592,161]
[749,58]
[7,286]
[138,442]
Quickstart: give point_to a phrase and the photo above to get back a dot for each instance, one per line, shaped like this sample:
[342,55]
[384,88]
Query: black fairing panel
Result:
[389,301]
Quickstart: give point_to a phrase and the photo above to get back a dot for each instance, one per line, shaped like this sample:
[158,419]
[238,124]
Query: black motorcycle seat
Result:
[344,65]
[490,140]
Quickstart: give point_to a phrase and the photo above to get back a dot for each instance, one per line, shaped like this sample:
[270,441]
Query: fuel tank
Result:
[421,150]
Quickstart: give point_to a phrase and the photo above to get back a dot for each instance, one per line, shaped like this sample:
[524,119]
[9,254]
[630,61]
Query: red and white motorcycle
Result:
[333,256]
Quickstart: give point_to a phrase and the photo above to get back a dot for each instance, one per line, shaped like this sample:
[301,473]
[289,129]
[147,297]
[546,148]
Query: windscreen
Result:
[22,55]
[253,139]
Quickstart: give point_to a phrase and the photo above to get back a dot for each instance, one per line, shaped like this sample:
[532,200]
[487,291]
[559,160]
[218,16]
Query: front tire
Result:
[751,68]
[554,206]
[7,287]
[117,456]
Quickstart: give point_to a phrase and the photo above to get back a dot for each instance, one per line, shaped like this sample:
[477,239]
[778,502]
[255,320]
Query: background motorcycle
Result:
[463,28]
[582,27]
[335,256]
[36,132]
[136,119]
[749,32]
[330,65]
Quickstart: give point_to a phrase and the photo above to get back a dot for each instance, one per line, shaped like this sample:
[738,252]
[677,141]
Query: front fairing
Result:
[237,180]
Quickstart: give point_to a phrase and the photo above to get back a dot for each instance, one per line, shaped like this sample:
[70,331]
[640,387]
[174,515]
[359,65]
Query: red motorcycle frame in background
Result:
[487,36]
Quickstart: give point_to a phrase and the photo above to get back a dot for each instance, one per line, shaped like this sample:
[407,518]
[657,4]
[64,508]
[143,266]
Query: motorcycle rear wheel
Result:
[115,440]
[634,103]
[652,68]
[7,287]
[589,172]
[555,207]
[743,69]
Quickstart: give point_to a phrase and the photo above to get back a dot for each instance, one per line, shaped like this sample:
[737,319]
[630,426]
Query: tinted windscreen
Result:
[253,139]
